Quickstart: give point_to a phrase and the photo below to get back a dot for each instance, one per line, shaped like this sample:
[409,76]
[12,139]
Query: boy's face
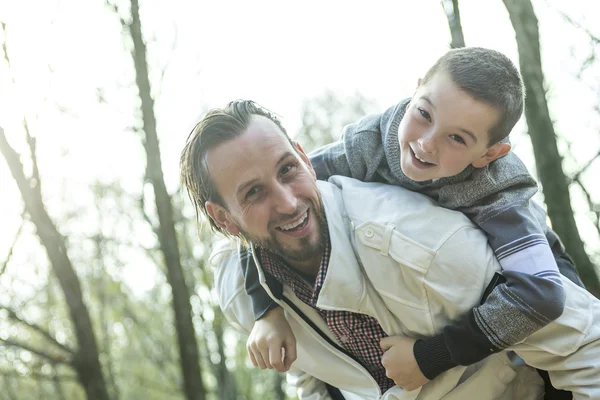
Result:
[444,130]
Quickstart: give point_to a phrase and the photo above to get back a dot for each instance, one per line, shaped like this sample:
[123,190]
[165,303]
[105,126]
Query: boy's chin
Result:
[415,176]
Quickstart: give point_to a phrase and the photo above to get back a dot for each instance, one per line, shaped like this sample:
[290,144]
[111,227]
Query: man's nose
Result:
[285,200]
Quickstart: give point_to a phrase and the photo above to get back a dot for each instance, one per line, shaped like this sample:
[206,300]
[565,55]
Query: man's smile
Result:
[298,226]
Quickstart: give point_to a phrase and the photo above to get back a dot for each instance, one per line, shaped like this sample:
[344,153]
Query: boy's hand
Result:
[400,364]
[269,335]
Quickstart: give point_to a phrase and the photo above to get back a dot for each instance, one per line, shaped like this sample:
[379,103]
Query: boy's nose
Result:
[427,143]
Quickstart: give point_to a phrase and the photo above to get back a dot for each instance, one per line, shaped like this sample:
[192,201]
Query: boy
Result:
[448,142]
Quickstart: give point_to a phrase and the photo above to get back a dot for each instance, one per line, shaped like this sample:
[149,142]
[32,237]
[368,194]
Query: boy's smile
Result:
[444,130]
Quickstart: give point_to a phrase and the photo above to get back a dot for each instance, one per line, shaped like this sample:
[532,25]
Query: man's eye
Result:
[458,139]
[252,192]
[286,169]
[425,114]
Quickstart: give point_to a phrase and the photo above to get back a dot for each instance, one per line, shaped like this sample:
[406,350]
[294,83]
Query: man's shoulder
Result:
[412,214]
[228,276]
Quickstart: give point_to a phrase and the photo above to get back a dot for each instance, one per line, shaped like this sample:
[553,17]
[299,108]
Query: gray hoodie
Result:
[498,198]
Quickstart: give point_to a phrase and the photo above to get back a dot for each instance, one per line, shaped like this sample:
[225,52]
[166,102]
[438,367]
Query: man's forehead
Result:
[248,156]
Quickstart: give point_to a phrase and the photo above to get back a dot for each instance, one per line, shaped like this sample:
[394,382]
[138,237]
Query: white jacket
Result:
[414,266]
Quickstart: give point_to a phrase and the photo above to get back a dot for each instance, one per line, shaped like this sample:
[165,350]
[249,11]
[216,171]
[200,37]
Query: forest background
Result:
[105,291]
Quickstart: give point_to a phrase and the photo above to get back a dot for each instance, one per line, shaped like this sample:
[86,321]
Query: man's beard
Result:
[308,249]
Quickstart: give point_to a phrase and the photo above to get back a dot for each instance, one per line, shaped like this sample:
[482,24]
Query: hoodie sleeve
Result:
[358,153]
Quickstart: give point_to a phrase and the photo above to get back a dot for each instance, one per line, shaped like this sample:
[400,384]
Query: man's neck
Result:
[309,268]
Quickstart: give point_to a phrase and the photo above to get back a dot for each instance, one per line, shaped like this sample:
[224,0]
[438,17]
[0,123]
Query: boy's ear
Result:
[221,217]
[494,152]
[306,160]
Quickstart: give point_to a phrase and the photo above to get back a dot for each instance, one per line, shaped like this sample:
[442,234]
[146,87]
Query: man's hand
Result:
[269,335]
[400,364]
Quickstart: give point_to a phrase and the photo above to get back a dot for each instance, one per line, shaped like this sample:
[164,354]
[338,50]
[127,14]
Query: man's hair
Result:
[488,76]
[218,126]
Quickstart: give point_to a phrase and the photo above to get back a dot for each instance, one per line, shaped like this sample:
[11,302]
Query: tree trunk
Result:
[453,16]
[278,386]
[227,386]
[85,361]
[543,138]
[186,336]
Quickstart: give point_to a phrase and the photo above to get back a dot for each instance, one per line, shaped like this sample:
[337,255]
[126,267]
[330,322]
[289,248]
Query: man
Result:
[360,262]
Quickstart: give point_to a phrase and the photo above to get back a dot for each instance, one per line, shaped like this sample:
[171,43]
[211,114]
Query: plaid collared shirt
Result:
[358,334]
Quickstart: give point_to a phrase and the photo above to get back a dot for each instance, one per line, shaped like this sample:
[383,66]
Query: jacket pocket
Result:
[396,267]
[495,379]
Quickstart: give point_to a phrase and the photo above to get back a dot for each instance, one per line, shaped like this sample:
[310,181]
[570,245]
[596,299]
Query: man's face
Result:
[270,193]
[444,130]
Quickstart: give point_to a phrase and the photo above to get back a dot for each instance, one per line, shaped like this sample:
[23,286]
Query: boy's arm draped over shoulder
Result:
[498,199]
[261,301]
[360,151]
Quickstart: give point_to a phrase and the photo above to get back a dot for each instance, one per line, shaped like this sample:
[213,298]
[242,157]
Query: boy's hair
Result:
[218,126]
[488,76]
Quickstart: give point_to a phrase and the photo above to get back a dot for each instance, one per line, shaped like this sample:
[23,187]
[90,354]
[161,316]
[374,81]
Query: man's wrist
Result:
[432,356]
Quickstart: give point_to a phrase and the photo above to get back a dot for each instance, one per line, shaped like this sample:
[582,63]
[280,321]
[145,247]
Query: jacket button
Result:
[369,233]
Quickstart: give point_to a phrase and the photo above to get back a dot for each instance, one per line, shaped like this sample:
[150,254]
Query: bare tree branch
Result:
[591,204]
[453,15]
[56,249]
[105,337]
[9,389]
[147,384]
[155,228]
[115,8]
[55,359]
[12,247]
[34,180]
[150,347]
[575,177]
[39,376]
[13,315]
[31,141]
[168,59]
[595,39]
[57,380]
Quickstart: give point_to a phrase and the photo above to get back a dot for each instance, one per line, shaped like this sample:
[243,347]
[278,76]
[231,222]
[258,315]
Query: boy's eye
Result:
[458,139]
[425,114]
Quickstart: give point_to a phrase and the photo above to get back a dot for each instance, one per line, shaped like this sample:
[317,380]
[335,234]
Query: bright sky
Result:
[67,53]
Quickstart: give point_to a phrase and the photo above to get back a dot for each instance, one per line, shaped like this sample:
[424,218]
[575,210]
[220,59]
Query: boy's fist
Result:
[400,364]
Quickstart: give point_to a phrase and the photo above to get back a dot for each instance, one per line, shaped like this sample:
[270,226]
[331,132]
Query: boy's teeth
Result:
[295,224]
[423,161]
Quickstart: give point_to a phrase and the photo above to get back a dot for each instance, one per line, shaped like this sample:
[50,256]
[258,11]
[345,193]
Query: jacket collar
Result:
[344,286]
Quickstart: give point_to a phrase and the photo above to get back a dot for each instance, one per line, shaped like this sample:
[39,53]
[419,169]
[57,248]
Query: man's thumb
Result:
[386,343]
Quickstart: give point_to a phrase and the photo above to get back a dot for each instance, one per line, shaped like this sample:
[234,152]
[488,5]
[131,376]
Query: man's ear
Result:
[221,217]
[305,158]
[496,151]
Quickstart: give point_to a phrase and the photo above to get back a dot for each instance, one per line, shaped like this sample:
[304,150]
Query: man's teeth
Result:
[295,223]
